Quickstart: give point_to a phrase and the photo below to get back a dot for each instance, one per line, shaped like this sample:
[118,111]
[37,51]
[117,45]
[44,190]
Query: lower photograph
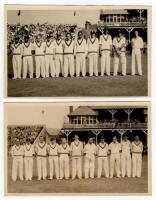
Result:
[94,148]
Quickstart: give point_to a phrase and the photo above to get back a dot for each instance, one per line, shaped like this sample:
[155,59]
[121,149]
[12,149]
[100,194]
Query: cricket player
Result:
[58,51]
[28,159]
[64,151]
[76,153]
[114,150]
[27,58]
[90,152]
[102,153]
[125,157]
[105,51]
[17,164]
[137,44]
[81,53]
[53,150]
[41,152]
[39,57]
[119,44]
[17,50]
[137,149]
[93,50]
[68,56]
[49,57]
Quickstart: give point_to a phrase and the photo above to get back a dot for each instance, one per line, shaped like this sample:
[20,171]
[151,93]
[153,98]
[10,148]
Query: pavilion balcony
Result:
[125,24]
[106,125]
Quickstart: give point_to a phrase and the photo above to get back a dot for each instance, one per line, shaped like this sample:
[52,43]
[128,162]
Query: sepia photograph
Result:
[77,51]
[77,148]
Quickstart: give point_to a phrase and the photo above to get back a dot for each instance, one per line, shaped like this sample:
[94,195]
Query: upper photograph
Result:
[77,51]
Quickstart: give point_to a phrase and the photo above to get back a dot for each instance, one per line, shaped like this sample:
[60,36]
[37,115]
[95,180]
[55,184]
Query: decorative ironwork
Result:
[145,131]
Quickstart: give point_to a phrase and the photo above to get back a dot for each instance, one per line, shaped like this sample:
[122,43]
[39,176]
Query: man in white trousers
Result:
[76,149]
[17,50]
[115,150]
[125,157]
[137,45]
[28,159]
[68,56]
[53,150]
[27,58]
[119,44]
[93,51]
[90,152]
[81,53]
[64,152]
[49,57]
[58,51]
[137,149]
[105,51]
[41,152]
[17,162]
[40,57]
[102,154]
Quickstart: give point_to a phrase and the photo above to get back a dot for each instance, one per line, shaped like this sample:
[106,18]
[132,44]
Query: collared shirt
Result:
[58,45]
[17,150]
[137,43]
[50,46]
[126,146]
[27,48]
[76,148]
[17,48]
[41,149]
[90,149]
[28,150]
[40,48]
[53,149]
[80,46]
[137,147]
[115,147]
[120,43]
[69,47]
[64,149]
[105,41]
[102,149]
[93,45]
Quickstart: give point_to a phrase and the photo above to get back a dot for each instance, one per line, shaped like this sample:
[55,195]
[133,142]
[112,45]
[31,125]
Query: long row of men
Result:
[56,56]
[125,158]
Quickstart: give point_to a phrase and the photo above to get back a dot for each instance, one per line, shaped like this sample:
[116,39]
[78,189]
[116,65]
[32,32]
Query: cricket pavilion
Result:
[126,20]
[96,121]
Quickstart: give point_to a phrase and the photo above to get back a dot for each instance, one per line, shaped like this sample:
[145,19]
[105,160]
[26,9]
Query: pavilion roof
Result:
[114,12]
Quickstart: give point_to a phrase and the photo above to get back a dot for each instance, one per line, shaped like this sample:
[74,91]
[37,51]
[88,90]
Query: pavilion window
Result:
[87,120]
[79,120]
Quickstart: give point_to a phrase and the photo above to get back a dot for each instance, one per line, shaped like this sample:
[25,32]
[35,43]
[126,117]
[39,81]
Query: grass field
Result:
[81,86]
[102,185]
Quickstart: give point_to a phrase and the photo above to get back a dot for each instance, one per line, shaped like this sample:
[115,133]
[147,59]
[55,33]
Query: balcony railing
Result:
[106,126]
[126,24]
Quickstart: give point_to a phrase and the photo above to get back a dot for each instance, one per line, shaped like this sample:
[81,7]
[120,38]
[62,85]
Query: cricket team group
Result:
[55,56]
[120,159]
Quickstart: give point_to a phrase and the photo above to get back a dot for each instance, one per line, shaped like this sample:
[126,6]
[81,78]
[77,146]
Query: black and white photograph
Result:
[77,51]
[76,149]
